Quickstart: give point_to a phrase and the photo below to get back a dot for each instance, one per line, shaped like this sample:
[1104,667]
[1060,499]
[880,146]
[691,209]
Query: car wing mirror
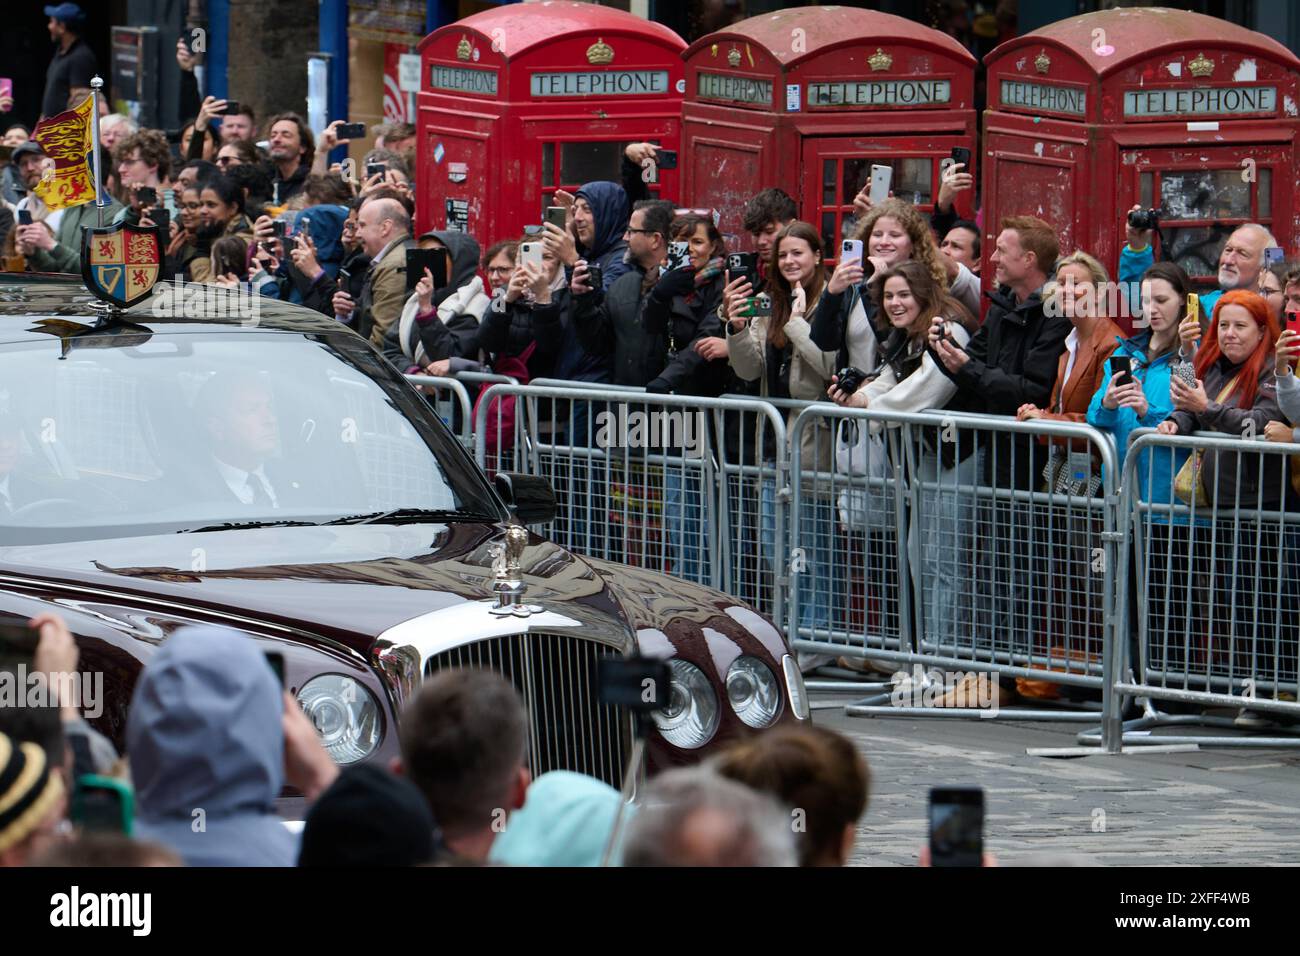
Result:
[531,500]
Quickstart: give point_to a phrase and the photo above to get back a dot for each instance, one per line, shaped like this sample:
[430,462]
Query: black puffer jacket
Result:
[1013,362]
[509,328]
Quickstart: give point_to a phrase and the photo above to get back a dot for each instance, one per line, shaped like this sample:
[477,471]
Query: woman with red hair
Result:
[1236,393]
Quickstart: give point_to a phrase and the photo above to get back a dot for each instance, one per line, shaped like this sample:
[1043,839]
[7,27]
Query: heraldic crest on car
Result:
[121,263]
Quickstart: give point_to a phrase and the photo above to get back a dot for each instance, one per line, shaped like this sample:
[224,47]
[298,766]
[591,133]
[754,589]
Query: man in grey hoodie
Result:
[209,738]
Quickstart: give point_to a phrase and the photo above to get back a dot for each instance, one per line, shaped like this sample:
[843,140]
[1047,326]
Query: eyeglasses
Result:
[644,232]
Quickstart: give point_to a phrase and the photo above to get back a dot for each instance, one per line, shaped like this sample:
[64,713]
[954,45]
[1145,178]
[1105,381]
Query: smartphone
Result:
[344,280]
[678,255]
[1193,306]
[851,249]
[743,265]
[351,131]
[146,196]
[755,306]
[6,86]
[104,804]
[960,154]
[530,252]
[1124,365]
[375,169]
[417,260]
[24,217]
[595,276]
[666,158]
[185,38]
[280,228]
[1291,320]
[232,107]
[956,826]
[17,645]
[556,215]
[638,683]
[882,177]
[276,660]
[163,220]
[1273,254]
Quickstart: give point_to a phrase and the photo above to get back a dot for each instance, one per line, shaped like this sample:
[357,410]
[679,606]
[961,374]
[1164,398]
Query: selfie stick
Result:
[629,783]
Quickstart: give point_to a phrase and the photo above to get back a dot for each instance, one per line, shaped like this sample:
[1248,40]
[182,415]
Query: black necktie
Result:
[260,497]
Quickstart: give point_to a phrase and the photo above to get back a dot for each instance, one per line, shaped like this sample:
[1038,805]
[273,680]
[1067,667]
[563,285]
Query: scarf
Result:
[469,299]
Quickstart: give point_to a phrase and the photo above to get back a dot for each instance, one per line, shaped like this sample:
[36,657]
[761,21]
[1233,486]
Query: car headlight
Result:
[345,714]
[691,716]
[753,691]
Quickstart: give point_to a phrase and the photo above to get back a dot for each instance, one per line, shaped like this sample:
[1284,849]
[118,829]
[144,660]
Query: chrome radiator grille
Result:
[569,728]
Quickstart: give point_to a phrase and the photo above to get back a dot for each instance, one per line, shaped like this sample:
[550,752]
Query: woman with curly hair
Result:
[892,233]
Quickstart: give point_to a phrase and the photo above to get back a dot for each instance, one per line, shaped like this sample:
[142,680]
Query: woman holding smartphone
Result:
[891,233]
[1235,393]
[909,298]
[1138,396]
[777,351]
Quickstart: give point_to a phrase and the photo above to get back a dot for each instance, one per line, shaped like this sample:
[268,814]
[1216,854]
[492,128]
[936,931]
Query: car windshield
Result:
[119,435]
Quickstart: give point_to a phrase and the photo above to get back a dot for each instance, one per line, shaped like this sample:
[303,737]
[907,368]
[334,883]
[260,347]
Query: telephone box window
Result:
[1205,194]
[588,162]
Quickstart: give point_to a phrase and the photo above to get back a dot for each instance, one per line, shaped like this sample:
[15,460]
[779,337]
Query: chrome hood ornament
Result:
[507,581]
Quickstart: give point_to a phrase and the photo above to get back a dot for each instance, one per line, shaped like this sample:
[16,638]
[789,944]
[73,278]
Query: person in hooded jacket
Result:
[211,738]
[596,230]
[444,323]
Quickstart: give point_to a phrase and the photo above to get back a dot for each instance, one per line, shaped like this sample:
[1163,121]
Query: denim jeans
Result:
[944,530]
[814,533]
[683,525]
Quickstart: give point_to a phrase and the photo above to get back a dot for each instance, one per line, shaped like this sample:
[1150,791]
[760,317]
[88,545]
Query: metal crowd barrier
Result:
[945,543]
[451,399]
[956,558]
[671,483]
[1217,592]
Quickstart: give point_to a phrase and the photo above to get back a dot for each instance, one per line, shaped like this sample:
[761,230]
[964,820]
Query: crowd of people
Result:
[212,740]
[254,203]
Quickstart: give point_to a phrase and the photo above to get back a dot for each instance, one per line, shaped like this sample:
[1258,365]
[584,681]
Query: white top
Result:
[1071,346]
[237,479]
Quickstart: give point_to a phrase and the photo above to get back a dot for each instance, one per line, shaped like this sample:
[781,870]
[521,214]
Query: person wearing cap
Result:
[73,64]
[32,802]
[369,817]
[52,242]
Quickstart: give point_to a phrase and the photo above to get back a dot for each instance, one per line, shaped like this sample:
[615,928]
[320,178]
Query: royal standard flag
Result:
[67,139]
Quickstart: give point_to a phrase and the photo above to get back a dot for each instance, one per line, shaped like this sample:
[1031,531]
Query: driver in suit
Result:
[238,412]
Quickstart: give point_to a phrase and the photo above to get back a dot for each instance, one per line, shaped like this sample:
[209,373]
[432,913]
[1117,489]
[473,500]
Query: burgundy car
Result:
[277,476]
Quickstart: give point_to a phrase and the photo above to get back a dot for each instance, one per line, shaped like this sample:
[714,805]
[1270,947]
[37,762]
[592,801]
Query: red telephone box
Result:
[1164,108]
[808,99]
[527,98]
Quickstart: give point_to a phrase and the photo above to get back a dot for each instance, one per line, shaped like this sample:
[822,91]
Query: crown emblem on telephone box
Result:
[880,60]
[600,53]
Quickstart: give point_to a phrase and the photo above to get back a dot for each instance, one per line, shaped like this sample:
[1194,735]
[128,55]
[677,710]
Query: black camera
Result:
[1144,218]
[849,379]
